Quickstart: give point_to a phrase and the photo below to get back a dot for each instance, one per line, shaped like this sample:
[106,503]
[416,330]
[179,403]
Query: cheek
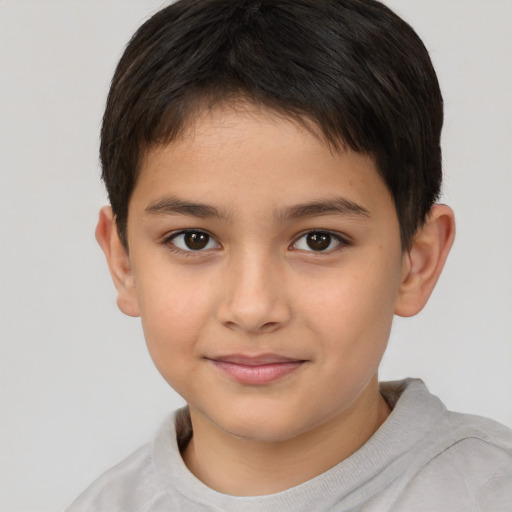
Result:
[173,311]
[170,297]
[352,312]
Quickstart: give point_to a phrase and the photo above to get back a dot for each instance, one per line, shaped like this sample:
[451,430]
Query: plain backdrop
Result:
[78,391]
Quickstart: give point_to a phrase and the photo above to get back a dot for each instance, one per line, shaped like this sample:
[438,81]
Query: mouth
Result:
[256,370]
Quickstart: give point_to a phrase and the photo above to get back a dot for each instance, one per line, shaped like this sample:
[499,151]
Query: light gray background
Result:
[78,391]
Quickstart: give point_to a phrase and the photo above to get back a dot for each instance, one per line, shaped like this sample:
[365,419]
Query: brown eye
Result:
[318,241]
[193,241]
[196,241]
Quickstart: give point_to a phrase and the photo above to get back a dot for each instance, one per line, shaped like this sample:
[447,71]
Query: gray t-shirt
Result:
[423,458]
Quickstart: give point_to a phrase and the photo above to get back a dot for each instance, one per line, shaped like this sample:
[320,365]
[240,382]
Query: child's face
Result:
[266,271]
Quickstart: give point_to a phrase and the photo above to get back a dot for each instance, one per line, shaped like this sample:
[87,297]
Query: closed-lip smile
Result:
[256,369]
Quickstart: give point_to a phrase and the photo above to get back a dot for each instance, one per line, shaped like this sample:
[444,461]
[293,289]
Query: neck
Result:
[245,467]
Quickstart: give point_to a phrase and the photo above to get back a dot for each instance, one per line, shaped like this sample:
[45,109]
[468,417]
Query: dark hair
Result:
[352,67]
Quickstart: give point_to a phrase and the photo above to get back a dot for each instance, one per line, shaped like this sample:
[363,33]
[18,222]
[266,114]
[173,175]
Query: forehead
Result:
[247,157]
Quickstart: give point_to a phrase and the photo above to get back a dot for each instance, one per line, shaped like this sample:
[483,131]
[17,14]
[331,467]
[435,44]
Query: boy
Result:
[272,168]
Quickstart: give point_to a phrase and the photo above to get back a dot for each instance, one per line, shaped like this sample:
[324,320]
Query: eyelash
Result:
[342,242]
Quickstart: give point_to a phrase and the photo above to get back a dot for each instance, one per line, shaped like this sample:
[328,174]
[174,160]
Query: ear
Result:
[425,260]
[118,262]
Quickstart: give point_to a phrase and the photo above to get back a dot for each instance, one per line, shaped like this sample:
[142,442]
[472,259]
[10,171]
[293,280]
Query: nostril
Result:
[269,327]
[230,325]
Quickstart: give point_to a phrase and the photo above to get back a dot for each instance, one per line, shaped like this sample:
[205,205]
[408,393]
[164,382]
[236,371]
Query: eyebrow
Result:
[174,206]
[332,206]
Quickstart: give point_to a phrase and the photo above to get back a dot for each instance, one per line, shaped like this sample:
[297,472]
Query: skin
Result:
[258,290]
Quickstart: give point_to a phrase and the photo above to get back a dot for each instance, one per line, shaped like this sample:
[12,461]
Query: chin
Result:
[262,427]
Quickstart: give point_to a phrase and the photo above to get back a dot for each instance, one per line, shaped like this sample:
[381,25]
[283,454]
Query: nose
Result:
[254,296]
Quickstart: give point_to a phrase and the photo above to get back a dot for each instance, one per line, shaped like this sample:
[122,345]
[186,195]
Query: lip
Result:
[256,370]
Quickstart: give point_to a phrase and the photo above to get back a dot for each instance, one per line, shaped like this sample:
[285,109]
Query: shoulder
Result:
[478,459]
[129,486]
[464,462]
[135,484]
[471,474]
[476,447]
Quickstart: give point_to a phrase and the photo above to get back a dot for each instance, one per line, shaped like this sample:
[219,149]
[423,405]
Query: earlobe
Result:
[425,260]
[118,262]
